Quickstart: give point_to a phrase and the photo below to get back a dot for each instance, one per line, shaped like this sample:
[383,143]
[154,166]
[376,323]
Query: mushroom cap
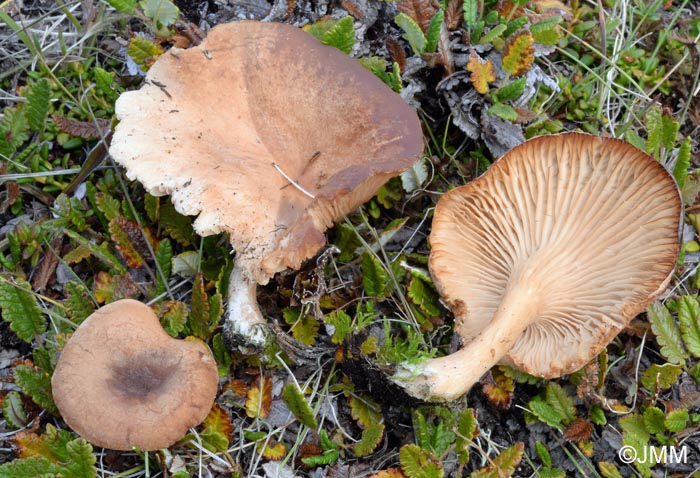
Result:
[589,225]
[212,122]
[122,381]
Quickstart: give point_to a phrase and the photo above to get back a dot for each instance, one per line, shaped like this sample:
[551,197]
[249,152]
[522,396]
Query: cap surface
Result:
[217,125]
[122,381]
[589,226]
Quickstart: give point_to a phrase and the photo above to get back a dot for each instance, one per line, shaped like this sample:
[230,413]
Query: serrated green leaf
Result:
[680,169]
[433,34]
[79,304]
[124,6]
[14,130]
[511,91]
[374,277]
[37,385]
[519,53]
[466,430]
[470,8]
[174,317]
[108,206]
[13,410]
[163,13]
[419,463]
[371,437]
[297,404]
[412,33]
[543,453]
[341,323]
[19,307]
[38,102]
[633,425]
[365,411]
[29,468]
[304,329]
[546,32]
[666,374]
[341,35]
[143,51]
[609,470]
[677,420]
[198,322]
[423,296]
[164,257]
[492,34]
[327,458]
[654,420]
[667,332]
[514,25]
[688,317]
[504,464]
[561,401]
[505,112]
[81,462]
[545,412]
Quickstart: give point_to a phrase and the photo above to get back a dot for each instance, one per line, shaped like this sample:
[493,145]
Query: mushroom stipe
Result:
[122,382]
[277,108]
[546,257]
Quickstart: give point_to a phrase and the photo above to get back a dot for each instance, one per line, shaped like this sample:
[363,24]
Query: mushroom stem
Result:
[244,321]
[449,377]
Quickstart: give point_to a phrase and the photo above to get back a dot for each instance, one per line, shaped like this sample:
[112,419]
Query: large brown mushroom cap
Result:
[122,381]
[547,256]
[588,223]
[215,125]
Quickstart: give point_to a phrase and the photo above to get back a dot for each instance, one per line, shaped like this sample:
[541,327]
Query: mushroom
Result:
[546,257]
[121,381]
[269,136]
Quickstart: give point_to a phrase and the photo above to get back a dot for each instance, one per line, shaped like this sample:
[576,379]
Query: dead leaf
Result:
[48,265]
[259,398]
[519,53]
[397,52]
[454,15]
[579,430]
[500,391]
[422,11]
[82,129]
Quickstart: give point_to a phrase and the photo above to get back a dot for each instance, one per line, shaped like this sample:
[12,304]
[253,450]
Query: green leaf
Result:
[374,277]
[108,206]
[667,375]
[13,410]
[304,329]
[174,317]
[297,404]
[123,6]
[327,458]
[371,437]
[81,462]
[341,35]
[163,13]
[561,401]
[471,12]
[634,425]
[419,463]
[518,54]
[37,385]
[341,323]
[101,251]
[143,51]
[19,307]
[466,430]
[14,130]
[654,420]
[412,33]
[668,334]
[505,112]
[546,32]
[680,169]
[676,420]
[688,315]
[29,468]
[545,412]
[38,101]
[199,309]
[511,91]
[597,415]
[543,453]
[433,34]
[492,34]
[164,257]
[423,296]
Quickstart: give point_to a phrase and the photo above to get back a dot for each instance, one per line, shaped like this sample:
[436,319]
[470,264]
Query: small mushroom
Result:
[269,136]
[546,257]
[121,381]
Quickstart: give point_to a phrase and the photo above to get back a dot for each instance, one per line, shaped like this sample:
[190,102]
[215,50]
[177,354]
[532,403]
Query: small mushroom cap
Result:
[215,124]
[122,381]
[588,226]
